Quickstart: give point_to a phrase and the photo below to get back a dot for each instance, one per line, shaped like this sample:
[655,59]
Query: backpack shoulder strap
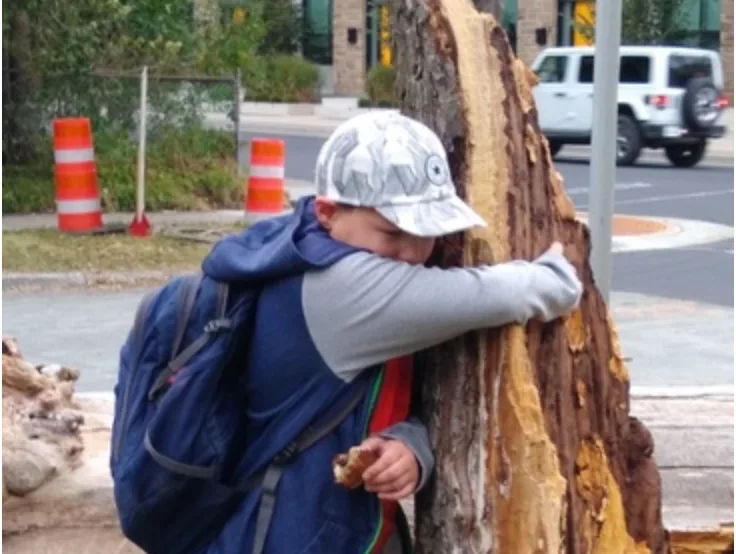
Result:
[187,294]
[272,474]
[140,316]
[187,297]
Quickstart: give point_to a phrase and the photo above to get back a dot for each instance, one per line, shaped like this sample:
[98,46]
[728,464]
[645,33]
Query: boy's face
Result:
[365,228]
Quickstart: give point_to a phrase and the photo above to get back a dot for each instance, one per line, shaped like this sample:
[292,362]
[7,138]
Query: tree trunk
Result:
[20,116]
[536,451]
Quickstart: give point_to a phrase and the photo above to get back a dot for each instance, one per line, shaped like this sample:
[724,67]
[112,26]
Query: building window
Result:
[317,31]
[699,25]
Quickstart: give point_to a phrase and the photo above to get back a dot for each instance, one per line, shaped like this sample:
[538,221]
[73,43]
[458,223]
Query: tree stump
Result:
[57,489]
[536,451]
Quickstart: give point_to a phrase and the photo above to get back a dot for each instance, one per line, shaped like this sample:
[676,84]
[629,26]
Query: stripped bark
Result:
[536,451]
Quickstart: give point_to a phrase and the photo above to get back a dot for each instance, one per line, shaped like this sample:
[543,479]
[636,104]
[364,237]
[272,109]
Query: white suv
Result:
[668,97]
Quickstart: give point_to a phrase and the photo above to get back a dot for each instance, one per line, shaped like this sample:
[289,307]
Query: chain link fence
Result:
[192,126]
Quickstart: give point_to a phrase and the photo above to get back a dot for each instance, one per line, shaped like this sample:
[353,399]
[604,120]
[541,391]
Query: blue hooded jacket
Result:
[289,385]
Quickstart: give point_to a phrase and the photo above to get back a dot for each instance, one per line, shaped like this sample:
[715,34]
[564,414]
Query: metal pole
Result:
[141,174]
[603,160]
[237,91]
[373,7]
[566,22]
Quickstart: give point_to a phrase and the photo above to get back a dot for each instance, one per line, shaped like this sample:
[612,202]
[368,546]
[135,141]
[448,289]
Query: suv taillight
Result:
[659,101]
[722,102]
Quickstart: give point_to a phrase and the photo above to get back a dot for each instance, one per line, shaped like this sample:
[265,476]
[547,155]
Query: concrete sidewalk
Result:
[693,448]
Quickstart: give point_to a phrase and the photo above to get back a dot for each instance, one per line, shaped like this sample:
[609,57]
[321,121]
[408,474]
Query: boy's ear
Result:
[325,210]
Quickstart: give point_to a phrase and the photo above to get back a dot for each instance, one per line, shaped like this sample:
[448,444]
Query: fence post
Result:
[140,226]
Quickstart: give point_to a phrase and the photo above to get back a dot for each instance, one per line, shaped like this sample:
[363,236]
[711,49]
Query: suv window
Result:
[633,69]
[683,67]
[585,73]
[552,69]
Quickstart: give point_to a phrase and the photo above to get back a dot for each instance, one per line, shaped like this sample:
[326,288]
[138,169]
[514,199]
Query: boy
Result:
[346,301]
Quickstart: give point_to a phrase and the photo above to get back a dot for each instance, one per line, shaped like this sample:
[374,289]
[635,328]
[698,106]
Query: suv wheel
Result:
[628,140]
[700,104]
[685,155]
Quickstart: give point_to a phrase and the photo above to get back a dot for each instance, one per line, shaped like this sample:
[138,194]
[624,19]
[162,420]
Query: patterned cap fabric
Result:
[387,161]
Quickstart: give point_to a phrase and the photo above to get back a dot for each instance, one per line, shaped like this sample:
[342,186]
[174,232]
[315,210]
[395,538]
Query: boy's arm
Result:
[413,433]
[365,309]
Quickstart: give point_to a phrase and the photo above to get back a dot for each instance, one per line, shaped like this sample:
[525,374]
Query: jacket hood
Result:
[275,248]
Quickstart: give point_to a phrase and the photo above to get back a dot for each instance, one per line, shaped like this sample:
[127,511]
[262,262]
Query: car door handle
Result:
[560,94]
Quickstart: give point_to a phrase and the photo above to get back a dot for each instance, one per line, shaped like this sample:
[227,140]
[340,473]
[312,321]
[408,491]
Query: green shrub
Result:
[380,85]
[185,169]
[280,78]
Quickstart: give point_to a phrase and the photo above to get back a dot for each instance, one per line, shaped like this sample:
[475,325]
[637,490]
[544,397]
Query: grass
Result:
[51,251]
[186,169]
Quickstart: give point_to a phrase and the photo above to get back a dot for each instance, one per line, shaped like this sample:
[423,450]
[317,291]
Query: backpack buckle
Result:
[286,455]
[216,325]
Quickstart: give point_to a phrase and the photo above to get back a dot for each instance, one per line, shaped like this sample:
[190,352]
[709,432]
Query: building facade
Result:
[726,47]
[349,46]
[361,32]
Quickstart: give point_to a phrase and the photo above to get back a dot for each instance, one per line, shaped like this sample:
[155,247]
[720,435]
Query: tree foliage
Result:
[54,51]
[643,22]
[650,21]
[283,27]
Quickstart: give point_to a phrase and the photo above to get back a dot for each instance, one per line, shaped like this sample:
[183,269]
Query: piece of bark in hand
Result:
[348,468]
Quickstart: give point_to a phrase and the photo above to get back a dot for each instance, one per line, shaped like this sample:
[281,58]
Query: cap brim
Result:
[434,218]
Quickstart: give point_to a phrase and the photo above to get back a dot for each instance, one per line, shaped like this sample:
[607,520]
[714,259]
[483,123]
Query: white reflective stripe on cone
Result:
[267,171]
[74,156]
[77,206]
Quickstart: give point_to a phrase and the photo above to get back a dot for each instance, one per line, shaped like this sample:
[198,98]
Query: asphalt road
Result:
[706,193]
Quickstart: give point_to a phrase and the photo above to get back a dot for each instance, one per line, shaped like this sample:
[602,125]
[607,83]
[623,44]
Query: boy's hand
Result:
[395,474]
[556,248]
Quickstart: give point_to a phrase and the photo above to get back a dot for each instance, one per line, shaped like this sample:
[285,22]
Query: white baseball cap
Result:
[398,166]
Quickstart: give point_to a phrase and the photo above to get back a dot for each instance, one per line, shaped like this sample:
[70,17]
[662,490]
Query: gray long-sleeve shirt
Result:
[366,309]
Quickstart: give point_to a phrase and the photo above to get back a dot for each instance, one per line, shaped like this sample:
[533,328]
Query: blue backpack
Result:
[179,428]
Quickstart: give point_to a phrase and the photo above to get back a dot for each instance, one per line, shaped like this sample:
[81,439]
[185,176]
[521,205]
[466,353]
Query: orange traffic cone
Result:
[75,176]
[265,192]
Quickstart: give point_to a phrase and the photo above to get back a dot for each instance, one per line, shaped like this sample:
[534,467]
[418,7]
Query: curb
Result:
[28,282]
[651,157]
[679,233]
[716,392]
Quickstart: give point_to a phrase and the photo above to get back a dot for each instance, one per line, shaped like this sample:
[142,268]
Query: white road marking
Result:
[622,186]
[717,250]
[649,199]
